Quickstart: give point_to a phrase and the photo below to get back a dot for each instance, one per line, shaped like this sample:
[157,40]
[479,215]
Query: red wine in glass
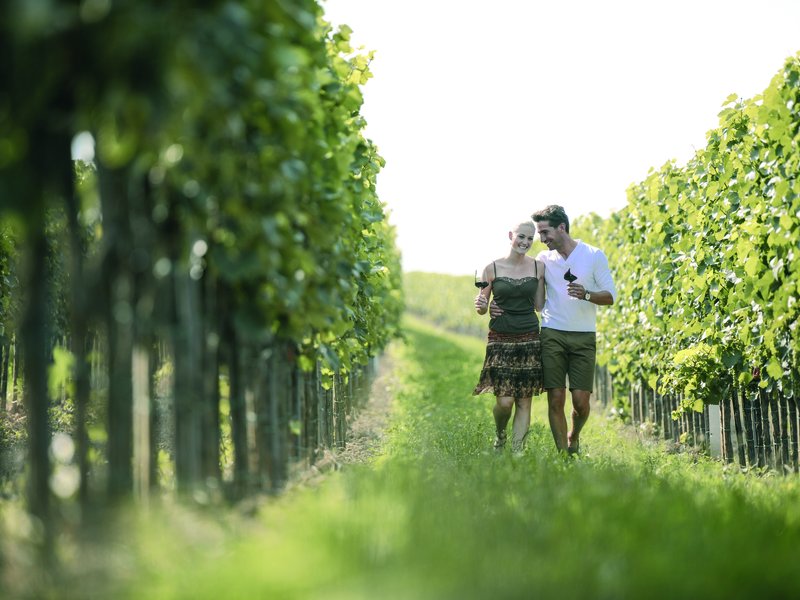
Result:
[480,284]
[569,276]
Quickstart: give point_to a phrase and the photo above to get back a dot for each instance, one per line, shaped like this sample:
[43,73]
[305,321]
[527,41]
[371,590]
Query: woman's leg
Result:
[502,413]
[522,422]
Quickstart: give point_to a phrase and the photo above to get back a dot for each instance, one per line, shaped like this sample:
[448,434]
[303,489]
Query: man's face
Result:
[550,236]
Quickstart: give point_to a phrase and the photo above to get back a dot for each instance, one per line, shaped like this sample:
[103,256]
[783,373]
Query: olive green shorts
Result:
[568,353]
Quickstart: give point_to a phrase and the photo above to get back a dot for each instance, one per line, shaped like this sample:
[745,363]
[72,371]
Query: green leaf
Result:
[774,368]
[731,359]
[751,265]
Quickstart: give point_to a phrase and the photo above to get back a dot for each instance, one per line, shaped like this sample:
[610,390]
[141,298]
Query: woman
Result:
[512,369]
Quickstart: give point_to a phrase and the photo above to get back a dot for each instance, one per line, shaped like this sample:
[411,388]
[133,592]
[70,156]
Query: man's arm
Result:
[601,298]
[607,293]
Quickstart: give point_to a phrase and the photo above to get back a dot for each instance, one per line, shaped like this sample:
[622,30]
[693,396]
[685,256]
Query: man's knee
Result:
[556,398]
[581,402]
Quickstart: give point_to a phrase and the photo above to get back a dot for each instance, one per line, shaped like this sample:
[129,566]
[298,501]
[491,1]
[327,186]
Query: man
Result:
[577,281]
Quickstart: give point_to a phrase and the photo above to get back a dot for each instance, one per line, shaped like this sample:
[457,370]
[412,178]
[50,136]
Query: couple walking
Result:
[565,284]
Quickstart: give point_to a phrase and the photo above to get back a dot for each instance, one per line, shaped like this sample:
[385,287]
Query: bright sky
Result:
[486,110]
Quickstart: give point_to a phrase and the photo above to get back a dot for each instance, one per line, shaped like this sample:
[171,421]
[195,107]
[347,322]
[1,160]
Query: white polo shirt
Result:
[590,266]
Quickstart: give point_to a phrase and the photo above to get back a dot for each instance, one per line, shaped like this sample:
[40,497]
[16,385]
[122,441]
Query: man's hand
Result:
[494,310]
[576,290]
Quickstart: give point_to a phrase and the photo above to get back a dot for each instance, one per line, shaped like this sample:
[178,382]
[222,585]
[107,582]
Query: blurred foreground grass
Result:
[438,515]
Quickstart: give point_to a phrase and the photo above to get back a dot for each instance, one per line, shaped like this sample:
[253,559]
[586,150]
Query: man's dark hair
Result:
[553,214]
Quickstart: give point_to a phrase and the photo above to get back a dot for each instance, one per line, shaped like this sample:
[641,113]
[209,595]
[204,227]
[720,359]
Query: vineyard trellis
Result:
[706,259]
[210,291]
[757,428]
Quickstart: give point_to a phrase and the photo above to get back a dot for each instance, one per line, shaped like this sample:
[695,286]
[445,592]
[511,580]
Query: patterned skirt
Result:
[513,365]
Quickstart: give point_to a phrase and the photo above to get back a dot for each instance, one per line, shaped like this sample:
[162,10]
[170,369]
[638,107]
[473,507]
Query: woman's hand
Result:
[481,304]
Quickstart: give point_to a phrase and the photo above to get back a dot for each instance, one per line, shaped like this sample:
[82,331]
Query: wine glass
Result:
[480,284]
[570,278]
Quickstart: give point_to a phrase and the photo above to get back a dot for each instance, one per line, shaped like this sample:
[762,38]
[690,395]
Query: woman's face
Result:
[522,238]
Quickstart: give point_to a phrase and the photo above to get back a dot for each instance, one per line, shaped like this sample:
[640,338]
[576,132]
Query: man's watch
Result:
[587,296]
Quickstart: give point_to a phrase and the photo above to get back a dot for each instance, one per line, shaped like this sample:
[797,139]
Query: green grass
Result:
[444,300]
[439,515]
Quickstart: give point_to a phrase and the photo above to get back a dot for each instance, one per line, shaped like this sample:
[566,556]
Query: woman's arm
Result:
[482,299]
[538,300]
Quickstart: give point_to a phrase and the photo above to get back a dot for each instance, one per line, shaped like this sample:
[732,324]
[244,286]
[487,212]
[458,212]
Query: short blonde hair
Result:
[524,223]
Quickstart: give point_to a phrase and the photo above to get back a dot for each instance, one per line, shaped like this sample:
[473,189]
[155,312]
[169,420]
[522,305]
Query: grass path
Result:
[439,515]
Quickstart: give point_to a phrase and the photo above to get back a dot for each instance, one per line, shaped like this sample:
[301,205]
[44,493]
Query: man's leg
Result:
[554,367]
[581,378]
[556,398]
[580,413]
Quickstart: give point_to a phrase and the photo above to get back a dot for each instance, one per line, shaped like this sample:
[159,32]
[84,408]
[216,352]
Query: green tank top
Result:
[515,297]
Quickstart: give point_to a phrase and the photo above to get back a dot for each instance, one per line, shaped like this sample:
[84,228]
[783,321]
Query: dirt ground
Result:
[366,431]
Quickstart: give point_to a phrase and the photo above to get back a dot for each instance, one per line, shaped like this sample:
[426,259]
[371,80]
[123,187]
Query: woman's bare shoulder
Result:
[490,268]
